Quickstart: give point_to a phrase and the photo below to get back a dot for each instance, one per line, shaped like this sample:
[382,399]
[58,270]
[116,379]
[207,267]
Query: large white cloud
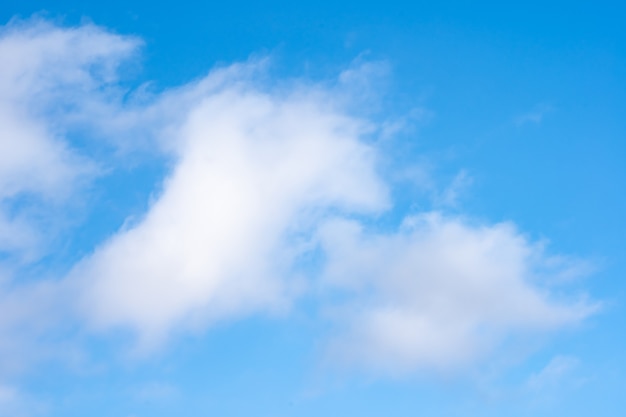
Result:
[254,172]
[260,174]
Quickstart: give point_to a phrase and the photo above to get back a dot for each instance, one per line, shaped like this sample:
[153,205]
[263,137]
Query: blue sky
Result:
[309,209]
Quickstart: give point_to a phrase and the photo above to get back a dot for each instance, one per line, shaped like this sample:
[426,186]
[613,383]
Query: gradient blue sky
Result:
[312,208]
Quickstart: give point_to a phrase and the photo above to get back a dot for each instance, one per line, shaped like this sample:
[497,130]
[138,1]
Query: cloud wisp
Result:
[51,79]
[261,173]
[535,116]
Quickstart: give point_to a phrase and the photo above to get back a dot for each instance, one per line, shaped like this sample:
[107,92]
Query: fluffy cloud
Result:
[436,294]
[260,175]
[254,173]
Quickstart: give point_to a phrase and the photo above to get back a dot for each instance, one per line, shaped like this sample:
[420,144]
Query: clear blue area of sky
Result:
[478,68]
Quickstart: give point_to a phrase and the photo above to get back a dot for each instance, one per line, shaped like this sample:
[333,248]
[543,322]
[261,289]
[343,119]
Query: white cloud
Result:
[256,173]
[49,78]
[536,115]
[7,394]
[553,373]
[435,295]
[17,236]
[450,195]
[30,313]
[156,392]
[14,403]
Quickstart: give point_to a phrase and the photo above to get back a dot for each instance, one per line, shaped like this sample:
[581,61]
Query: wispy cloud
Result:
[553,373]
[51,80]
[156,392]
[534,116]
[14,403]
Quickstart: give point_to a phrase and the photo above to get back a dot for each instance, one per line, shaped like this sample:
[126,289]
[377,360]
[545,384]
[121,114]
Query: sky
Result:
[312,208]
